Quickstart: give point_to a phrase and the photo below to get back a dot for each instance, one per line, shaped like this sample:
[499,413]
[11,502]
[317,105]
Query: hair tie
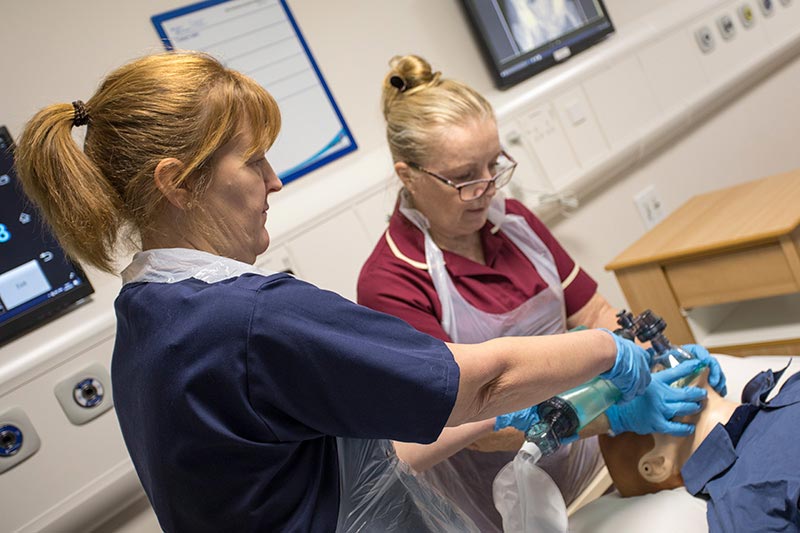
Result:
[81,117]
[398,83]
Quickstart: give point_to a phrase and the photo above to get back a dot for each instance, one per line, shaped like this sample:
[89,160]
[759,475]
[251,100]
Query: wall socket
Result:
[650,206]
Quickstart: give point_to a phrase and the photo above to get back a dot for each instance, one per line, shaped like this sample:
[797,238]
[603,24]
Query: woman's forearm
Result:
[510,373]
[423,456]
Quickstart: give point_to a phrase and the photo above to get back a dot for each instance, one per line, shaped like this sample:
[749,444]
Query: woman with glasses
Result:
[460,262]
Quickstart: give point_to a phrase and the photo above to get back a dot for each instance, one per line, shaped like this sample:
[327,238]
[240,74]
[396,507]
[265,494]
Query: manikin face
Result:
[463,153]
[237,200]
[643,464]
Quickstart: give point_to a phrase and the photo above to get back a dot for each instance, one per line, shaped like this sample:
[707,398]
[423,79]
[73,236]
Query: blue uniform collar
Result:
[717,453]
[171,265]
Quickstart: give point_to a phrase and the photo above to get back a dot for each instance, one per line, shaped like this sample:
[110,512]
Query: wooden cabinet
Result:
[732,245]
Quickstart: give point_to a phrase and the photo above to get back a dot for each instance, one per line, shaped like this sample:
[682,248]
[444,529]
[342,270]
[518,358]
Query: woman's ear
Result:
[165,176]
[403,172]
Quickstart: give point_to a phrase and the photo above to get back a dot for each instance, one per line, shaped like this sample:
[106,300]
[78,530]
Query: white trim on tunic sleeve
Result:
[572,275]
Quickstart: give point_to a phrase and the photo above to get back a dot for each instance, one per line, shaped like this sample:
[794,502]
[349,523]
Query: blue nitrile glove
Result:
[631,371]
[651,355]
[522,419]
[652,412]
[715,376]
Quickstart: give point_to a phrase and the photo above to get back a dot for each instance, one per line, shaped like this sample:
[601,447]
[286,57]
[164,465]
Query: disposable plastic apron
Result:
[544,314]
[378,491]
[467,476]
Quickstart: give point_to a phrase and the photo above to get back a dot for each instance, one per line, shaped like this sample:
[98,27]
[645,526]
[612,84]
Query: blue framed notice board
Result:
[261,39]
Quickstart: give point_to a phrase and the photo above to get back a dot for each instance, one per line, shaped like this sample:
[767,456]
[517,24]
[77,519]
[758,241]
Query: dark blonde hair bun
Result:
[407,75]
[419,105]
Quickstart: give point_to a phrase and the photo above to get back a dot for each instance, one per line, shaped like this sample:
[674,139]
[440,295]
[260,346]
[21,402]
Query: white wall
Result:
[755,136]
[61,50]
[56,51]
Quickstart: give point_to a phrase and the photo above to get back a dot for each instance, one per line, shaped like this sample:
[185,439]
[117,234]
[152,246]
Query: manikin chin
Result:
[643,464]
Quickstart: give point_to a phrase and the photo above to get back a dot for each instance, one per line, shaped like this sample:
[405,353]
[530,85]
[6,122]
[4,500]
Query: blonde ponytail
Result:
[75,198]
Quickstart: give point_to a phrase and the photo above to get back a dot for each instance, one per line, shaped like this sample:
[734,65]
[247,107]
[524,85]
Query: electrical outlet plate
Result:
[18,439]
[650,206]
[86,394]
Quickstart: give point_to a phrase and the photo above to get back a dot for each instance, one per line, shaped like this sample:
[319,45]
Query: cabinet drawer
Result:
[738,275]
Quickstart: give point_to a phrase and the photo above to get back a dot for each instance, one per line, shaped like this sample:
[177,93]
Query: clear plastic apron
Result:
[381,493]
[378,492]
[467,476]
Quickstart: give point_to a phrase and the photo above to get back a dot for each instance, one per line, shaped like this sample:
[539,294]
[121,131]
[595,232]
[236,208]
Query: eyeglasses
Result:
[472,190]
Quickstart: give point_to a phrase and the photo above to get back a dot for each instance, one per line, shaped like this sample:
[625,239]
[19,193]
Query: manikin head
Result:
[643,464]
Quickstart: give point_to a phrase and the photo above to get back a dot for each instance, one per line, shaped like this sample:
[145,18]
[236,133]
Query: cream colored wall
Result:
[755,136]
[354,60]
[57,51]
[61,50]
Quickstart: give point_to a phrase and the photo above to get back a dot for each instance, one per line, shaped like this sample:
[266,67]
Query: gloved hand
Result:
[652,412]
[715,376]
[522,419]
[631,372]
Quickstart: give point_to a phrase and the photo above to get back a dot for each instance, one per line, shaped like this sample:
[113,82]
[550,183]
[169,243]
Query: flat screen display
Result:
[521,38]
[37,280]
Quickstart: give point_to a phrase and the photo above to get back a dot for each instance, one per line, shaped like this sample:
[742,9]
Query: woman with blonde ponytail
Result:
[460,262]
[250,400]
[86,212]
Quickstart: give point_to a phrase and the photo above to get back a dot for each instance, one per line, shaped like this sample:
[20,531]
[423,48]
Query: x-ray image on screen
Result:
[534,23]
[523,37]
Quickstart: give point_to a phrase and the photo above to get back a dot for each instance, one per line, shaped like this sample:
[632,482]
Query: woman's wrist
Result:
[609,348]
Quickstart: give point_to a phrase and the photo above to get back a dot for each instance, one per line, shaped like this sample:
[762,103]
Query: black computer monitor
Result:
[521,38]
[37,280]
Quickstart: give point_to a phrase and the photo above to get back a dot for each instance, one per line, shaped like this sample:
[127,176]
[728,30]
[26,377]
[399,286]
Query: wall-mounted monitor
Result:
[521,38]
[37,280]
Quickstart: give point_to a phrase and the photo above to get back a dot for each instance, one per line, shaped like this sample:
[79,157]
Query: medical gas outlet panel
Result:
[63,463]
[589,120]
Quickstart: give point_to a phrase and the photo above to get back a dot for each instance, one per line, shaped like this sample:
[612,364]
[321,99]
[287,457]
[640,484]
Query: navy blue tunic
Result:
[230,394]
[749,469]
